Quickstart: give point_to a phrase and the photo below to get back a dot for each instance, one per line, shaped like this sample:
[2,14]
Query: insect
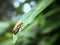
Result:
[16,28]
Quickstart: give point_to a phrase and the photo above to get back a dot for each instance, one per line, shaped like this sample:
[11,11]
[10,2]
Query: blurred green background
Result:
[43,17]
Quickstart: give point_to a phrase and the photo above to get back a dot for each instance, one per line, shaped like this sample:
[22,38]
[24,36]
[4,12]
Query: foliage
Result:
[40,26]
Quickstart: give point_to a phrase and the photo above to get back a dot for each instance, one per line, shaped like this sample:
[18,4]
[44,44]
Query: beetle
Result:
[16,28]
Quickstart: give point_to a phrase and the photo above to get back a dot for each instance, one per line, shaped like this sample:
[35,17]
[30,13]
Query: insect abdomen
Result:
[15,32]
[16,28]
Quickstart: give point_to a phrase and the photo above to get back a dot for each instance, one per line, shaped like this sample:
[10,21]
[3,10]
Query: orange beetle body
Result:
[16,28]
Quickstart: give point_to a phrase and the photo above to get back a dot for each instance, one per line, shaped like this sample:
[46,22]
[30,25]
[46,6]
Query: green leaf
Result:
[49,28]
[48,40]
[7,42]
[4,26]
[28,18]
[51,12]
